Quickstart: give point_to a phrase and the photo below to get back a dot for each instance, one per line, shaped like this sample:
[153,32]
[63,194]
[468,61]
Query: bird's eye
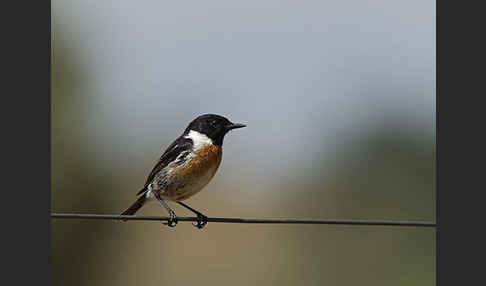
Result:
[213,123]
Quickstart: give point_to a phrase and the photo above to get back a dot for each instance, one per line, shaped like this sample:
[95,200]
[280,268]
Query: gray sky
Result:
[305,76]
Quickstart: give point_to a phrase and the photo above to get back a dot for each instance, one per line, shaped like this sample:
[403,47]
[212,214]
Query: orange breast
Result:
[196,173]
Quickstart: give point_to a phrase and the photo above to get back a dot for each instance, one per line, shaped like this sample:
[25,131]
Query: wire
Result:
[250,220]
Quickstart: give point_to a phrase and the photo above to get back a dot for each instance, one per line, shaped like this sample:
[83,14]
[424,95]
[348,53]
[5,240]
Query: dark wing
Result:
[180,145]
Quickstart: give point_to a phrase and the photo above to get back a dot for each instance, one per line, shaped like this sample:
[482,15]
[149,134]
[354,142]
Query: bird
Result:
[186,166]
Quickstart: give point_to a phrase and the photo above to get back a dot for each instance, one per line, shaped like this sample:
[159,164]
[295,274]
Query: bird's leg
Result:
[202,220]
[172,221]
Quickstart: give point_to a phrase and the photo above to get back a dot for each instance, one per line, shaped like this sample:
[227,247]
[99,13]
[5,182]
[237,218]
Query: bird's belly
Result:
[189,178]
[184,190]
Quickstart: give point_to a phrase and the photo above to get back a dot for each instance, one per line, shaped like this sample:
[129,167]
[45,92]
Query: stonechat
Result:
[187,166]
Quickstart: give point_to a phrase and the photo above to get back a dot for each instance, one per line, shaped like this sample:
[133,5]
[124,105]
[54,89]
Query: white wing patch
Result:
[198,139]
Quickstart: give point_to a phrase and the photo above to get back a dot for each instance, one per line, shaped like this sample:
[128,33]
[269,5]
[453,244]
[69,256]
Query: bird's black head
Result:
[213,126]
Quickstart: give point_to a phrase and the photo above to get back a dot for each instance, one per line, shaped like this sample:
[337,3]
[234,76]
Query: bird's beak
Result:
[235,125]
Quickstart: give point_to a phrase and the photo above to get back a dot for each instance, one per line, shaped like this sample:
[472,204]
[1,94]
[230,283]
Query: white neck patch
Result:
[198,139]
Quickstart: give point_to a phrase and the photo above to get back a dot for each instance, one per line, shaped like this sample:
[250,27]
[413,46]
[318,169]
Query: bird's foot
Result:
[172,221]
[202,220]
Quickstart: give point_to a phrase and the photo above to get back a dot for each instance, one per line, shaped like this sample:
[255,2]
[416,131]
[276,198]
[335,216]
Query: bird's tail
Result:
[135,206]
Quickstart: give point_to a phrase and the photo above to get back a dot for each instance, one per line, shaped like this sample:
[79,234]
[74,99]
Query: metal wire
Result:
[250,220]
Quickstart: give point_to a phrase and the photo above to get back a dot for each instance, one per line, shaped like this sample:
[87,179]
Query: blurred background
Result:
[339,99]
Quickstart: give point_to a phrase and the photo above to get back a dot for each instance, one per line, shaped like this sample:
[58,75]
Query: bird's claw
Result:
[172,221]
[202,220]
